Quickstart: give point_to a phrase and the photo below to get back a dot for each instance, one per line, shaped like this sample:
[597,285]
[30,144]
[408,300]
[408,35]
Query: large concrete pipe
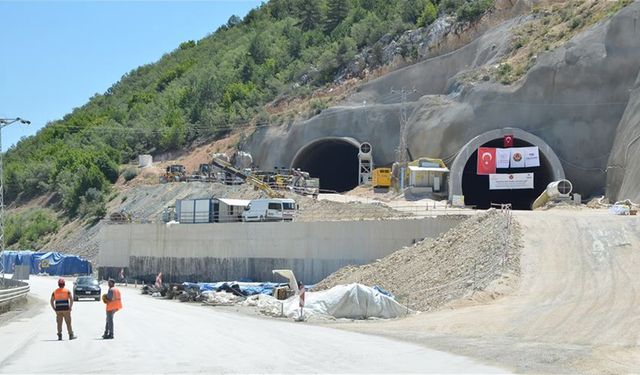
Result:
[560,188]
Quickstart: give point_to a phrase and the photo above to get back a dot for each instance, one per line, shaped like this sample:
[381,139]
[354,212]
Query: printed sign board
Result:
[457,201]
[511,181]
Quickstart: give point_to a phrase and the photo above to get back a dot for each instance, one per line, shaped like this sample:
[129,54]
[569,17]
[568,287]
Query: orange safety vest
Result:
[61,297]
[116,302]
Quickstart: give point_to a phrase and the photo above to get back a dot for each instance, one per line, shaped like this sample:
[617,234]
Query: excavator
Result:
[257,183]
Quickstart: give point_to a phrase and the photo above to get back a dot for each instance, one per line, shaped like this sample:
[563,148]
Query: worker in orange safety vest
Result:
[113,299]
[62,302]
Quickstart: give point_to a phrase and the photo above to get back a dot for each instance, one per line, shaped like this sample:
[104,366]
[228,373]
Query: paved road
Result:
[166,336]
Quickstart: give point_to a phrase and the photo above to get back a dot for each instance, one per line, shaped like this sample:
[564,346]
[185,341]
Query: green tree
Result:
[346,51]
[337,11]
[310,14]
[410,10]
[429,14]
[175,130]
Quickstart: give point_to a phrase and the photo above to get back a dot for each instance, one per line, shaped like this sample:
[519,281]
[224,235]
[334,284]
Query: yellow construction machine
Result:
[174,173]
[256,182]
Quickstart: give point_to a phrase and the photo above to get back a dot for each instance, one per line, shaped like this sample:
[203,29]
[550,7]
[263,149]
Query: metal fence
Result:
[11,290]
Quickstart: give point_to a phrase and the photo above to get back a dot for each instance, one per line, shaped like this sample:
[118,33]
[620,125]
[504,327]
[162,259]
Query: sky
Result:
[58,54]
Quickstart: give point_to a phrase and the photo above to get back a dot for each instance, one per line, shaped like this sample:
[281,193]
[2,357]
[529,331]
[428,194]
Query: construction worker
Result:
[114,303]
[301,299]
[62,302]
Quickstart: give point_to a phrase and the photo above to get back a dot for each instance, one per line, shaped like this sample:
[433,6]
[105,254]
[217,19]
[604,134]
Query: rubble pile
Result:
[476,255]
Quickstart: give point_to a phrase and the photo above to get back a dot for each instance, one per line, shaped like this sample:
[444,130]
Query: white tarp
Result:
[511,181]
[531,157]
[352,301]
[503,155]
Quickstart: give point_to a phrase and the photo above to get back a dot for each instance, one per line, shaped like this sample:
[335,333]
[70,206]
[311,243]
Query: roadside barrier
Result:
[12,290]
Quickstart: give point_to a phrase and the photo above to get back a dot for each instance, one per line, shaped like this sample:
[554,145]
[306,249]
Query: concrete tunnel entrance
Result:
[333,160]
[465,181]
[475,188]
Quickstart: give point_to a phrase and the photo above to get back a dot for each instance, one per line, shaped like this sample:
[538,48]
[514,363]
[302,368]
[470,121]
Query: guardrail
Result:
[13,290]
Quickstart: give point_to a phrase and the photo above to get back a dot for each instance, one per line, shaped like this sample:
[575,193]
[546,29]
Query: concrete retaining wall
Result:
[212,252]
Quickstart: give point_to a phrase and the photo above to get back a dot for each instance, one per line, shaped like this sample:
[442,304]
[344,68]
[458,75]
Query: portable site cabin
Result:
[427,175]
[210,210]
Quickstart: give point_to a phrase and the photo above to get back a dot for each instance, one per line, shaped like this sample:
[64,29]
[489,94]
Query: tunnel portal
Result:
[333,160]
[475,187]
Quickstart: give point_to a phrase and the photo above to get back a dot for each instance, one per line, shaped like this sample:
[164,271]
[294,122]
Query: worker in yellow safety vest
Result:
[113,299]
[61,302]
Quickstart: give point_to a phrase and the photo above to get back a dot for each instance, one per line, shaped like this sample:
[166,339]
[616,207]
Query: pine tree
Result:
[337,10]
[310,14]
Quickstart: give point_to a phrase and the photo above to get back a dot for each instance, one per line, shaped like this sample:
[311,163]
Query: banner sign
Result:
[531,157]
[517,157]
[511,181]
[503,155]
[486,160]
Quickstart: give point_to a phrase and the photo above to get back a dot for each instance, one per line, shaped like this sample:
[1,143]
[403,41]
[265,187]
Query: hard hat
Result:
[61,282]
[104,298]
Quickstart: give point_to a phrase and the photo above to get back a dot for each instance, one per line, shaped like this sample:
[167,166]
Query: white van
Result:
[270,210]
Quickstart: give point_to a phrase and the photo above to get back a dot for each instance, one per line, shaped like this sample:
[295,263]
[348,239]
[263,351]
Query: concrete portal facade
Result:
[459,163]
[226,252]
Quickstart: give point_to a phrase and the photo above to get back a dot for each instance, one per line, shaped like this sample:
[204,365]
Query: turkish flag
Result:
[508,140]
[486,160]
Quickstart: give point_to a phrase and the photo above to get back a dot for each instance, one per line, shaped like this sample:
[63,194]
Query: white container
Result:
[145,160]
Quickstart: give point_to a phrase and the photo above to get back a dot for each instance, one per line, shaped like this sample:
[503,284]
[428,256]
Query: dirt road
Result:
[577,308]
[160,336]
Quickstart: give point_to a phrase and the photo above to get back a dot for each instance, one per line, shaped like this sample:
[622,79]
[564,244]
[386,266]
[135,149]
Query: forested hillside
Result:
[203,89]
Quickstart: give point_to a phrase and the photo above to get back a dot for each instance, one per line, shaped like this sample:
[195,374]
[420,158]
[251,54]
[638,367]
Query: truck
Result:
[273,209]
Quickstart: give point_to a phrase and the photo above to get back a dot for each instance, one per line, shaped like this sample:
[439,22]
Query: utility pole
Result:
[5,122]
[402,145]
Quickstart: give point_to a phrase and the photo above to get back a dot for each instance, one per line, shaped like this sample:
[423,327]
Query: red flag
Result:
[486,160]
[508,140]
[159,280]
[121,273]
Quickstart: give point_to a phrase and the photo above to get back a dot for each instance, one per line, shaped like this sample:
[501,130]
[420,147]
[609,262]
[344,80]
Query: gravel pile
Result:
[431,273]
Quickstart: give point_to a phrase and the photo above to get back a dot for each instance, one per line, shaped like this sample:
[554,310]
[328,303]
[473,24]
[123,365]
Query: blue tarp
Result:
[246,288]
[51,262]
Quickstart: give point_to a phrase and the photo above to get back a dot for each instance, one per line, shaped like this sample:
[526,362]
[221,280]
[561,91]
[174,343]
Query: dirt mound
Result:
[428,275]
[323,210]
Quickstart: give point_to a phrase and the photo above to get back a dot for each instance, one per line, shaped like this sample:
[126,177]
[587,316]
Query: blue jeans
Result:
[108,329]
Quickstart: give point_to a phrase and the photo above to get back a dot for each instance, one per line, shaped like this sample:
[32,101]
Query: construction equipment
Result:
[202,174]
[381,178]
[235,173]
[174,173]
[302,183]
[120,217]
[555,190]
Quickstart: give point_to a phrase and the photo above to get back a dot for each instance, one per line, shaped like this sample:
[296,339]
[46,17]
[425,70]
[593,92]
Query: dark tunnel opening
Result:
[333,161]
[475,188]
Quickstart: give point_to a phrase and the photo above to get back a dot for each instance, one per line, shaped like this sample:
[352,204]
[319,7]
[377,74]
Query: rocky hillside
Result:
[561,71]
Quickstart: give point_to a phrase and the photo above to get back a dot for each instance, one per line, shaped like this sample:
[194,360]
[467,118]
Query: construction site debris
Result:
[353,301]
[480,254]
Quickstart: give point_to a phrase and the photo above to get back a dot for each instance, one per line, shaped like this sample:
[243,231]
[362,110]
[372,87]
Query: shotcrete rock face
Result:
[475,188]
[334,161]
